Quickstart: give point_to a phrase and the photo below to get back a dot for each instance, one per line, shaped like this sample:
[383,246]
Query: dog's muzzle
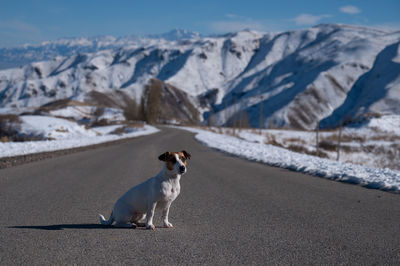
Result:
[182,169]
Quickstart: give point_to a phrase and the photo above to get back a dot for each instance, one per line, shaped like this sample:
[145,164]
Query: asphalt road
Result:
[230,211]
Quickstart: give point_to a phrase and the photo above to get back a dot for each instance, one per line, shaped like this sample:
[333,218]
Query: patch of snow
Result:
[104,130]
[112,114]
[377,178]
[86,112]
[9,149]
[388,123]
[76,112]
[53,128]
[374,143]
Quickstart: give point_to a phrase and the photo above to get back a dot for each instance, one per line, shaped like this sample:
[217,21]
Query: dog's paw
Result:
[150,226]
[168,225]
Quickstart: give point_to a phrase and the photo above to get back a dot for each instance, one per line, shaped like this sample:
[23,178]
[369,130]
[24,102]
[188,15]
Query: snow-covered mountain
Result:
[17,56]
[326,73]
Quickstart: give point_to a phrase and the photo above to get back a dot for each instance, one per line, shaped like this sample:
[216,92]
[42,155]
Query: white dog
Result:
[159,191]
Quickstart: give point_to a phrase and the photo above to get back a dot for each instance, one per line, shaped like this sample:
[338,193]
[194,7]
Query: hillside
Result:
[328,73]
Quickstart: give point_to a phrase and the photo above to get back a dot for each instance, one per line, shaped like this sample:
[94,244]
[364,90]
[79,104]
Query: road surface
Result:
[230,211]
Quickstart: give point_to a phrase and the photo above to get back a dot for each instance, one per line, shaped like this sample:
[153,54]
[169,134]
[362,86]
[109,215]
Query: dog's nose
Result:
[182,169]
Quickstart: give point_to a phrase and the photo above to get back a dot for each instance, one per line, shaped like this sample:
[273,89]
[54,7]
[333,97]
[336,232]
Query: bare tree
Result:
[210,120]
[261,114]
[244,118]
[339,140]
[131,110]
[152,108]
[317,137]
[234,114]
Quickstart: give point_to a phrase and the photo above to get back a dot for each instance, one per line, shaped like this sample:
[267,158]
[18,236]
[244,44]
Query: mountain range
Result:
[17,56]
[329,73]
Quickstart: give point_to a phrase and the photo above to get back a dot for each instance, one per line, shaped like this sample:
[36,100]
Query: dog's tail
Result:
[106,222]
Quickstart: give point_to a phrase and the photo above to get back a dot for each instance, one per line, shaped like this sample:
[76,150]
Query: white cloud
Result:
[16,31]
[230,15]
[17,25]
[350,10]
[308,19]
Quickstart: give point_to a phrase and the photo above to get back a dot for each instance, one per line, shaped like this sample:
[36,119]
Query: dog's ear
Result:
[163,157]
[187,155]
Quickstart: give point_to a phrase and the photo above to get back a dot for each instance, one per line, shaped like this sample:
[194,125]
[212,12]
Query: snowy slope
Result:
[326,73]
[80,113]
[52,128]
[372,143]
[59,134]
[376,178]
[304,76]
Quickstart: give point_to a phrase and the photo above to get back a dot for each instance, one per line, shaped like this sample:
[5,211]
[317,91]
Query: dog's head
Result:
[175,161]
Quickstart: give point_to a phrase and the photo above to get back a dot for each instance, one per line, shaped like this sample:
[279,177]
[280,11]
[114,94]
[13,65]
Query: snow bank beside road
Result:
[9,149]
[377,178]
[52,128]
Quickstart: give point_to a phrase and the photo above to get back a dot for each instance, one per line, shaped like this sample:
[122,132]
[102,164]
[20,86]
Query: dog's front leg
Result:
[151,206]
[165,213]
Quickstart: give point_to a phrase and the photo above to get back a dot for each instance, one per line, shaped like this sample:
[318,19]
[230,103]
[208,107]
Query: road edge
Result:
[11,161]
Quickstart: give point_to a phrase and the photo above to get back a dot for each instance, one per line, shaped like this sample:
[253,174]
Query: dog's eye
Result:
[173,160]
[183,159]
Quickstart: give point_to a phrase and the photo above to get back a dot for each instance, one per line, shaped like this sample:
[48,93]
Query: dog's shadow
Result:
[55,227]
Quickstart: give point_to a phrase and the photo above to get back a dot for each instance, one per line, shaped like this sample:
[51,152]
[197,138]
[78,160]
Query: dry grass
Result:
[138,124]
[62,130]
[388,156]
[101,99]
[270,139]
[5,139]
[233,132]
[327,145]
[296,145]
[389,138]
[101,123]
[9,118]
[385,155]
[9,126]
[295,140]
[59,104]
[344,138]
[301,149]
[119,131]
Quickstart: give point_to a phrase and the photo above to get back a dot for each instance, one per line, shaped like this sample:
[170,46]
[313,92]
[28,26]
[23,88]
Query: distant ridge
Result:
[67,46]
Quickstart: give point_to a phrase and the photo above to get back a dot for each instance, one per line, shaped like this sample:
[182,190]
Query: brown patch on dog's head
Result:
[170,159]
[184,156]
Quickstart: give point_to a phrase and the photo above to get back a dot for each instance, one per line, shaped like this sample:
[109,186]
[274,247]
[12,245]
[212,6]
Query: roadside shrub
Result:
[9,127]
[132,110]
[328,146]
[302,149]
[153,93]
[101,123]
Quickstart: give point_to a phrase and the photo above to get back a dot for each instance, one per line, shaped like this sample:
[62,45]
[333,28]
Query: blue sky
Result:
[35,21]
